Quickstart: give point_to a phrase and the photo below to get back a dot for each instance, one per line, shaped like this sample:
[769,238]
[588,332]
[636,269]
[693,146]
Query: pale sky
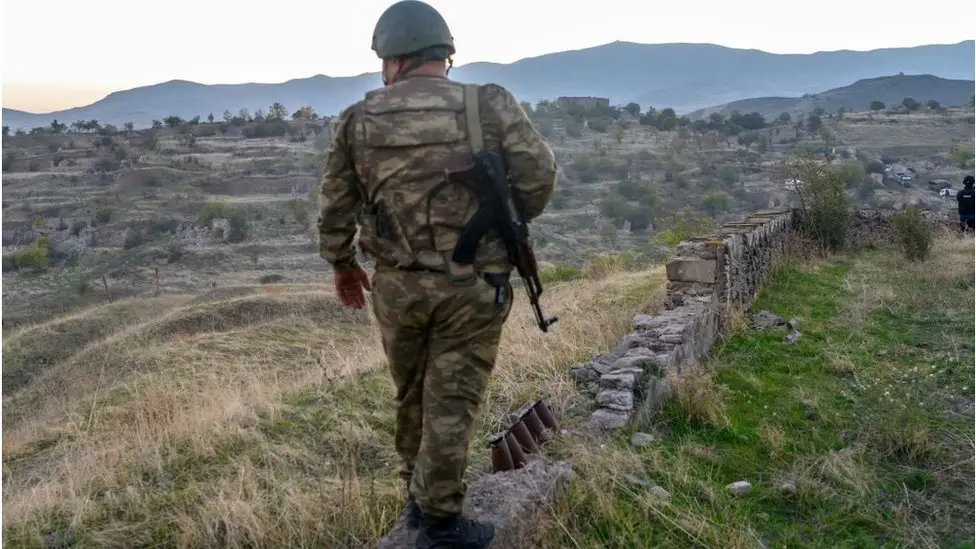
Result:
[64,53]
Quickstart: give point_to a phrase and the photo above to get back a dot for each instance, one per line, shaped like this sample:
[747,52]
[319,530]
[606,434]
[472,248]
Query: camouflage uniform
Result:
[440,322]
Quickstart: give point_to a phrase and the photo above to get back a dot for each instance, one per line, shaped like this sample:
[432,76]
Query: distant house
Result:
[587,103]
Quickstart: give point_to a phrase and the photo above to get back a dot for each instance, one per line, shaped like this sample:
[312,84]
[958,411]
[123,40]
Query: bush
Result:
[210,211]
[37,256]
[559,273]
[598,125]
[77,226]
[237,231]
[914,234]
[133,238]
[271,278]
[823,203]
[300,208]
[175,252]
[104,215]
[164,225]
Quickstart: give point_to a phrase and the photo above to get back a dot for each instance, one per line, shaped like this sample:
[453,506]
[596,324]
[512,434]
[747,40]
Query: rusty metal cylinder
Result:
[524,438]
[538,430]
[546,416]
[501,458]
[518,456]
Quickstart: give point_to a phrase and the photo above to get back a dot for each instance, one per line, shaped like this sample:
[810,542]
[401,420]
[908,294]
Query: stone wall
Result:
[708,278]
[866,228]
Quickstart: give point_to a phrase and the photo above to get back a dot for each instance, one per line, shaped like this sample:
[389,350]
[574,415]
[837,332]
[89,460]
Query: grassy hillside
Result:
[255,421]
[857,435]
[891,91]
[265,420]
[105,214]
[682,76]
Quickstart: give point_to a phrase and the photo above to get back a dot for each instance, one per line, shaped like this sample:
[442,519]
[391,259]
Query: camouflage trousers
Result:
[441,340]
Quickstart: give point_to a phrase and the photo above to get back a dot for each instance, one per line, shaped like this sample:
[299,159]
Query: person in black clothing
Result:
[966,199]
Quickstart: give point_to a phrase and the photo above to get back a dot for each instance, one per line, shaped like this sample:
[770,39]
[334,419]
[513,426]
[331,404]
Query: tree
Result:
[6,131]
[277,111]
[210,118]
[172,121]
[156,124]
[129,126]
[933,104]
[814,123]
[228,116]
[633,108]
[910,103]
[57,127]
[819,111]
[785,118]
[305,113]
[876,105]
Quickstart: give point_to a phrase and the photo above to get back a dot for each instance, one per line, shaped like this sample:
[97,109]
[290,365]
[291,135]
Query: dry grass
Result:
[834,455]
[261,420]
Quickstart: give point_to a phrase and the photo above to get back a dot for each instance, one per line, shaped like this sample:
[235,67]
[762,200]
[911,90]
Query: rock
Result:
[792,338]
[692,270]
[765,319]
[642,439]
[638,351]
[603,363]
[634,363]
[622,381]
[513,501]
[660,492]
[583,372]
[739,488]
[616,400]
[608,419]
[642,320]
[637,481]
[793,324]
[787,486]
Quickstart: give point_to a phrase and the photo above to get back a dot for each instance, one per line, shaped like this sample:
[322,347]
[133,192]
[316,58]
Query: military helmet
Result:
[410,26]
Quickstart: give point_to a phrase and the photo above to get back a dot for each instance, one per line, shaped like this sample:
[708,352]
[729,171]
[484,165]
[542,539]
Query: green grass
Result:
[858,435]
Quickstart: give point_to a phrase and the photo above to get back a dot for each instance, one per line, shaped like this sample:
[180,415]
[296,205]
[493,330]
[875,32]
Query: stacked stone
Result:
[708,274]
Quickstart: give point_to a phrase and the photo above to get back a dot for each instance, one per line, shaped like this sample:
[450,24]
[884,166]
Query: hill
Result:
[683,76]
[266,419]
[890,90]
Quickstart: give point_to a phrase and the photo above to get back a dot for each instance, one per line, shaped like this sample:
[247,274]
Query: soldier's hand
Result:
[349,286]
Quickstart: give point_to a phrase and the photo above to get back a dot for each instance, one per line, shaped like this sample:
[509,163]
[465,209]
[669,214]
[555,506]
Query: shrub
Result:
[175,252]
[104,215]
[77,226]
[914,234]
[559,273]
[301,209]
[210,211]
[37,256]
[133,238]
[823,203]
[237,231]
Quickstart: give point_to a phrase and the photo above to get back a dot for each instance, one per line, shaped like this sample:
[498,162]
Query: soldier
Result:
[967,210]
[440,322]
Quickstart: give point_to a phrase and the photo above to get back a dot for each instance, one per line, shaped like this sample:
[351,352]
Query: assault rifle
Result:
[499,208]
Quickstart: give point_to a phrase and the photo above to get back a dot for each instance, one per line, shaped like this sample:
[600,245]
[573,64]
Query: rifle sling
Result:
[483,220]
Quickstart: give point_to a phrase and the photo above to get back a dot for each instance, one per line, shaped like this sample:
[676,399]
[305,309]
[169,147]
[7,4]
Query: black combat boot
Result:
[413,514]
[455,532]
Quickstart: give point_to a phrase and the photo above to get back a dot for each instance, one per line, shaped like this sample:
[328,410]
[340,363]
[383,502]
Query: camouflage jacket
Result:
[386,173]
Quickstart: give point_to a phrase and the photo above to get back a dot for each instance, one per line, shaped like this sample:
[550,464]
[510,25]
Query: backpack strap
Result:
[473,118]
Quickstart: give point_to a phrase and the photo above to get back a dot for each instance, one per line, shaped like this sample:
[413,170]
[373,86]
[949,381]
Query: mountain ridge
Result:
[683,76]
[890,90]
